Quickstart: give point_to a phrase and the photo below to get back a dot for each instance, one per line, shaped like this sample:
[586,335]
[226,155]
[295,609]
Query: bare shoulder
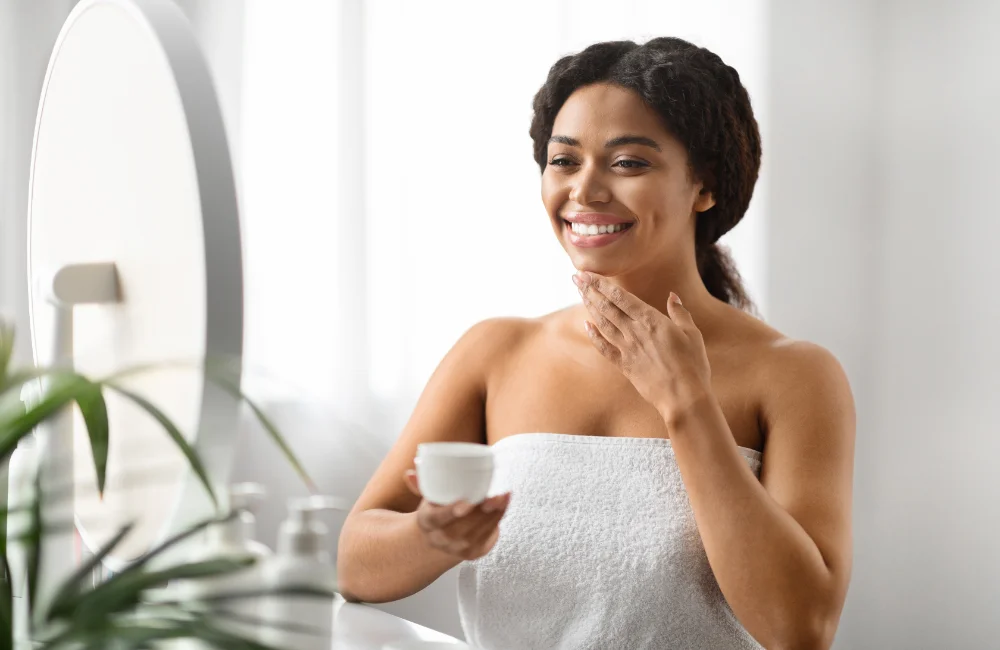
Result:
[807,415]
[807,378]
[781,360]
[800,381]
[488,346]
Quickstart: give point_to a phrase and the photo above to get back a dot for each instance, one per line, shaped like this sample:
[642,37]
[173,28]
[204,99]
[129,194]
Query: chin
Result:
[593,266]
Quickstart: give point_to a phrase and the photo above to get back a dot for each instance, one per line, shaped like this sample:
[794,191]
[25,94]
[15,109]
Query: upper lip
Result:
[596,218]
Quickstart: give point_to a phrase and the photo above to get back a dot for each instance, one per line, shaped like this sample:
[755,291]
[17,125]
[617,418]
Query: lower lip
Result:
[593,241]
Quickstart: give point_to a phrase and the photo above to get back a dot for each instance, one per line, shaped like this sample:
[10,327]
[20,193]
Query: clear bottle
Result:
[301,561]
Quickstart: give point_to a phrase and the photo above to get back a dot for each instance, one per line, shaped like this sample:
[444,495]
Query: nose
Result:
[588,188]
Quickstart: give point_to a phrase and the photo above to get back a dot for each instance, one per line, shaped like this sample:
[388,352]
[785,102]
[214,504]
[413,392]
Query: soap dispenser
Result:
[301,562]
[233,539]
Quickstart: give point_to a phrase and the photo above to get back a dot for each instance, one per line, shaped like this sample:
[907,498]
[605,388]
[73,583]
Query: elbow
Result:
[347,579]
[354,582]
[809,633]
[349,586]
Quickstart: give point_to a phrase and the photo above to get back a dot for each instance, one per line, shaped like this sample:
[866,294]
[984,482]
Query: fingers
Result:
[432,517]
[465,527]
[462,534]
[482,539]
[603,346]
[678,312]
[611,321]
[611,326]
[410,478]
[477,538]
[620,299]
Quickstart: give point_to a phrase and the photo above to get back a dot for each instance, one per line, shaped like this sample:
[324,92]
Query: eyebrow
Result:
[614,142]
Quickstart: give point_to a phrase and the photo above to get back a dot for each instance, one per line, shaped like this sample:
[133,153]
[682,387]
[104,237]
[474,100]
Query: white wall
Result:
[938,359]
[881,245]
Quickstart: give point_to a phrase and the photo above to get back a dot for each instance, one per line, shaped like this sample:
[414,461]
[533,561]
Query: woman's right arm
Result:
[392,543]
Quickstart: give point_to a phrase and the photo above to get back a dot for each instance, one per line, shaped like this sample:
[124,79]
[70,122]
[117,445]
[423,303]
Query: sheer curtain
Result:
[390,195]
[28,31]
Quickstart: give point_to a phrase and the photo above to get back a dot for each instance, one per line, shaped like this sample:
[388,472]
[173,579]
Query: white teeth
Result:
[594,229]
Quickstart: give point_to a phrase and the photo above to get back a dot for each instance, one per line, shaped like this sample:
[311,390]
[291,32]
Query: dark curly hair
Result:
[703,104]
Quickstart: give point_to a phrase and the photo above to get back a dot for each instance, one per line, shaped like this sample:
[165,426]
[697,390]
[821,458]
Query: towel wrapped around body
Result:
[597,550]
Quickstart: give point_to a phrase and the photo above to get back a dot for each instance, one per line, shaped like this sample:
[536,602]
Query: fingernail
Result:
[462,508]
[489,505]
[576,281]
[676,298]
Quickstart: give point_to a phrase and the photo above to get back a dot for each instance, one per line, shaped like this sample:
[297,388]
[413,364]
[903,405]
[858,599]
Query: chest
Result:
[572,389]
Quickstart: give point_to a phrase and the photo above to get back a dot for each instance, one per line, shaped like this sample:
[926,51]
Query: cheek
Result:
[554,193]
[654,200]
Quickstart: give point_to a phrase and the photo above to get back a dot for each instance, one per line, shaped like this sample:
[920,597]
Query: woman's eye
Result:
[631,164]
[561,162]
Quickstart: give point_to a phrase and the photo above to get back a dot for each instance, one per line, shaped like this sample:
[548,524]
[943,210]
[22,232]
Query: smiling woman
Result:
[670,471]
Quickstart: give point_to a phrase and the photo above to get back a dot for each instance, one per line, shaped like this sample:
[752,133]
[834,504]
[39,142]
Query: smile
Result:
[592,235]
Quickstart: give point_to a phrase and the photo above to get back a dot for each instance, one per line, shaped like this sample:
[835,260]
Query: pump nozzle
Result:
[243,500]
[302,533]
[245,496]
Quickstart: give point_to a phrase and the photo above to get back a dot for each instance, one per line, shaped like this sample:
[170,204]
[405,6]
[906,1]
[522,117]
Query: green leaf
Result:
[222,376]
[32,542]
[174,433]
[242,594]
[18,378]
[6,350]
[117,634]
[95,417]
[75,584]
[123,591]
[178,538]
[6,601]
[65,387]
[139,564]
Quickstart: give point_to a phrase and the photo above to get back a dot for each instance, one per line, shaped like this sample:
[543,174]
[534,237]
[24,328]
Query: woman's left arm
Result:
[780,547]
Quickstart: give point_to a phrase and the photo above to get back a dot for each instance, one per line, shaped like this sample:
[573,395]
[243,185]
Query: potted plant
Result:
[120,613]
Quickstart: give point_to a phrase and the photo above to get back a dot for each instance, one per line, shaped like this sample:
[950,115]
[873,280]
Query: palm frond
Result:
[227,379]
[119,613]
[174,433]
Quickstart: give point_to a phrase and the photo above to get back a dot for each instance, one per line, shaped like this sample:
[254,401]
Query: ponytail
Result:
[718,272]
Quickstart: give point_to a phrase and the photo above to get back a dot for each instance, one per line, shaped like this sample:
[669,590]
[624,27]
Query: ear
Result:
[704,201]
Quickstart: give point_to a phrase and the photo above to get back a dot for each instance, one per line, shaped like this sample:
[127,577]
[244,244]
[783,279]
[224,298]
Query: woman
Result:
[681,471]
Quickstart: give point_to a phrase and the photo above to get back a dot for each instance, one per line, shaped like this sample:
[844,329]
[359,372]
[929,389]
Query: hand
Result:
[663,355]
[460,529]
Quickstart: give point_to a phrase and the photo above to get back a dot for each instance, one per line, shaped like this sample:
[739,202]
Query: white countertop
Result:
[361,627]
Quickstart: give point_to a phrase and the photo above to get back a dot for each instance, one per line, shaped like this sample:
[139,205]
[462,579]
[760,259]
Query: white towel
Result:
[598,550]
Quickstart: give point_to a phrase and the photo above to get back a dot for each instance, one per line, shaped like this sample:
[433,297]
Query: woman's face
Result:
[613,167]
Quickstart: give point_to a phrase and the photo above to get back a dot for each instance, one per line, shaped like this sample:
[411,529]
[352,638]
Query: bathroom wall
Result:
[880,241]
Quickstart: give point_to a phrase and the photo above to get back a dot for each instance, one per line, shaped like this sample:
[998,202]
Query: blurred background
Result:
[389,201]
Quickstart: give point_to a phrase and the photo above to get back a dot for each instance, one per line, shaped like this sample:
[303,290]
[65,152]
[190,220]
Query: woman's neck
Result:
[655,290]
